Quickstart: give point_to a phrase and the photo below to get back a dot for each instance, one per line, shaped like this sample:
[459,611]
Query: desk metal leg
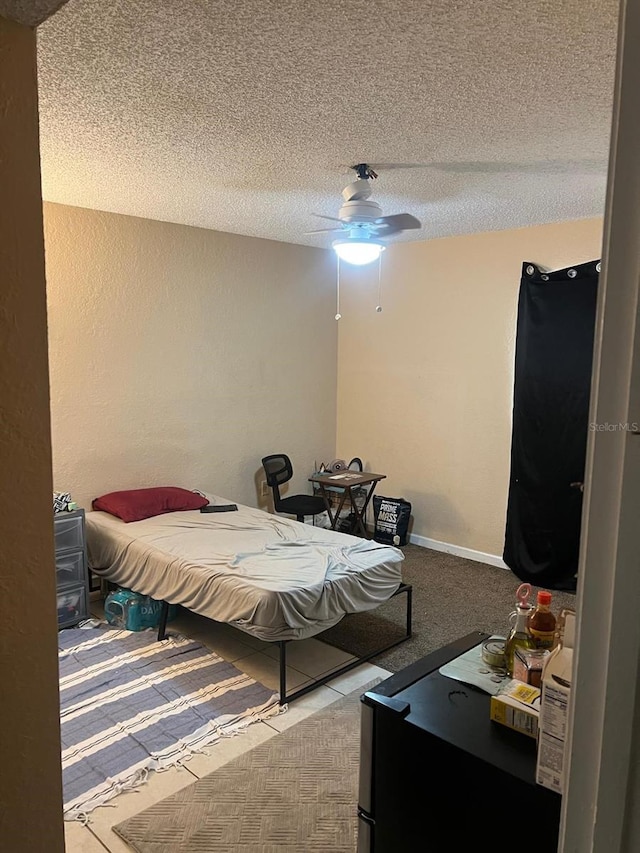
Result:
[340,506]
[359,525]
[356,522]
[359,522]
[327,503]
[333,518]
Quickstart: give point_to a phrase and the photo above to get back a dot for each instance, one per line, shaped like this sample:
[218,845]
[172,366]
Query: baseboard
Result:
[458,551]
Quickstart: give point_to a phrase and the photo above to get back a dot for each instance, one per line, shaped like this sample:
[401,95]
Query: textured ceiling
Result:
[241,115]
[29,12]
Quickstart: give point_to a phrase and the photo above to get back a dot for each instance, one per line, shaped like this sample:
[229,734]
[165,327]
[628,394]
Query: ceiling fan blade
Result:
[397,222]
[324,231]
[330,218]
[592,165]
[589,165]
[385,167]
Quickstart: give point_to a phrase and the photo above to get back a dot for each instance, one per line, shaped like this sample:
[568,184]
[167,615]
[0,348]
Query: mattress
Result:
[268,575]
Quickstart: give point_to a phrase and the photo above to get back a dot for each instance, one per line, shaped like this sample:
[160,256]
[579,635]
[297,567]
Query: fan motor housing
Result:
[357,190]
[360,210]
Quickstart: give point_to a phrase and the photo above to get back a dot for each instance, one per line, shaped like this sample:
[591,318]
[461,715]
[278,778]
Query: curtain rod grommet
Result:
[530,269]
[572,273]
[545,277]
[598,266]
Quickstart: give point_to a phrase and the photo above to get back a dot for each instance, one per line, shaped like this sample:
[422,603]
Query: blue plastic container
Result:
[134,611]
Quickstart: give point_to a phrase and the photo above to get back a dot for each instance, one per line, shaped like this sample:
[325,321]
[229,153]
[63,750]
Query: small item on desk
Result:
[517,706]
[219,508]
[527,665]
[493,652]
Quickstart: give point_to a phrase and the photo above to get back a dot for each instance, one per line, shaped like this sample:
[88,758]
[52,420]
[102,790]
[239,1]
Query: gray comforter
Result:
[268,575]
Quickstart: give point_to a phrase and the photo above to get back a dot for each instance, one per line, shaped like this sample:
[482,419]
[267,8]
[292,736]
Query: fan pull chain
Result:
[379,305]
[338,314]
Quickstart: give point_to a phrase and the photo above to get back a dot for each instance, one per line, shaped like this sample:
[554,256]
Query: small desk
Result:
[346,481]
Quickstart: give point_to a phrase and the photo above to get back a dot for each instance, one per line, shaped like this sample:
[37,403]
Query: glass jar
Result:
[519,636]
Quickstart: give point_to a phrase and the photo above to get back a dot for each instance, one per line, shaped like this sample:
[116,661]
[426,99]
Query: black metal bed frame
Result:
[317,682]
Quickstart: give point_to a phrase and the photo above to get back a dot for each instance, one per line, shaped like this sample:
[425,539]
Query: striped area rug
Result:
[130,704]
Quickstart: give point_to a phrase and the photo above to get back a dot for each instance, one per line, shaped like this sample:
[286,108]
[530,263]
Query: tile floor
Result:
[306,659]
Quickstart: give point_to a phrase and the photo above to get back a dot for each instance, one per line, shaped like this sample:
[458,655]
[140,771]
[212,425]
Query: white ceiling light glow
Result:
[358,251]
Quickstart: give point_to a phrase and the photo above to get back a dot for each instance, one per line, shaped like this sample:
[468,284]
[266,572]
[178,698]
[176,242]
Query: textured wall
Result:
[181,356]
[425,387]
[29,715]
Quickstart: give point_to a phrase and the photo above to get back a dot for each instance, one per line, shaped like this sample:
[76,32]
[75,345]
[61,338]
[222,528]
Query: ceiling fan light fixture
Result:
[360,251]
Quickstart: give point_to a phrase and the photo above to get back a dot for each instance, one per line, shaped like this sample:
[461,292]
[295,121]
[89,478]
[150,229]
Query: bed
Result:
[267,575]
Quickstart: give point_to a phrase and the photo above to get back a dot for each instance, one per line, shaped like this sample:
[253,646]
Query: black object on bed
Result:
[219,508]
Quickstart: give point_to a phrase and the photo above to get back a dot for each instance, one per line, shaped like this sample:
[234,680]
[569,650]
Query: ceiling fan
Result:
[361,224]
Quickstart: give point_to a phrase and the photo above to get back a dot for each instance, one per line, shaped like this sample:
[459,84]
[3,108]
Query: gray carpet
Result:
[451,597]
[295,793]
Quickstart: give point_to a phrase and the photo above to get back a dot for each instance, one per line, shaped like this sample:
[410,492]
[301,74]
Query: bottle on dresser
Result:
[519,635]
[542,622]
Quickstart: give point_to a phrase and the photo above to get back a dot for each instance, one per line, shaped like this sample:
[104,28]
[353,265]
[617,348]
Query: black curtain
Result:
[554,350]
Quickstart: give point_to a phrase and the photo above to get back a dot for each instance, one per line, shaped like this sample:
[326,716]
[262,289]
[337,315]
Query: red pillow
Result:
[136,504]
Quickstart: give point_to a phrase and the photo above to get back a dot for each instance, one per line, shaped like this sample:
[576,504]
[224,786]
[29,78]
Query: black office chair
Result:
[279,470]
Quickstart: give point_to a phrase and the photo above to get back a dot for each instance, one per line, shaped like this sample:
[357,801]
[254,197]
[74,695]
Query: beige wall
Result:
[425,387]
[181,356]
[30,788]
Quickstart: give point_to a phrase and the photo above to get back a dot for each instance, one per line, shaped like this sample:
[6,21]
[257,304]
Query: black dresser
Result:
[72,574]
[437,775]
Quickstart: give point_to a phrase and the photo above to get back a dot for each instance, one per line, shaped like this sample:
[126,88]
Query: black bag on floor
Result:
[391,517]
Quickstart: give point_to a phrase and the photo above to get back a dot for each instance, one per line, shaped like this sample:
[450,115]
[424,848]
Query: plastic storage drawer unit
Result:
[72,576]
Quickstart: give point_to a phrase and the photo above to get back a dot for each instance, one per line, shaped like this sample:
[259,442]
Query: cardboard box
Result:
[517,706]
[554,708]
